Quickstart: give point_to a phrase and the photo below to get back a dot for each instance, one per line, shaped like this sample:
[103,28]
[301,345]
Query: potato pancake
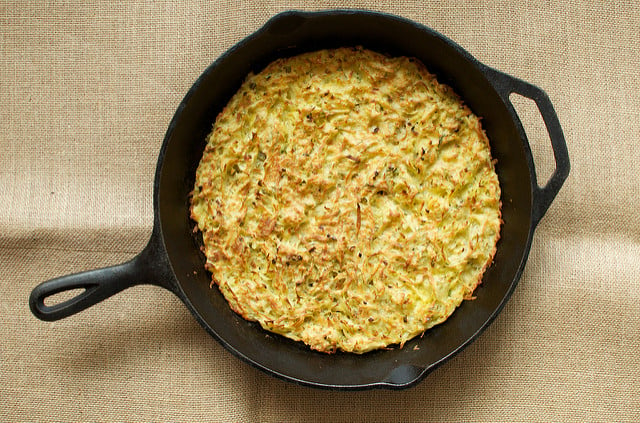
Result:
[346,199]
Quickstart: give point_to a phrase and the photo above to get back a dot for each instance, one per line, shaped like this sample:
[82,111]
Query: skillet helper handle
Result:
[506,85]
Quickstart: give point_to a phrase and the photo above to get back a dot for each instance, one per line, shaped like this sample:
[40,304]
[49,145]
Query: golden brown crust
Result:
[347,200]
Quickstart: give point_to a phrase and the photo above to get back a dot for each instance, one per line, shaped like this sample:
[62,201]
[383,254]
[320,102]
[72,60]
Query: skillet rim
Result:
[177,286]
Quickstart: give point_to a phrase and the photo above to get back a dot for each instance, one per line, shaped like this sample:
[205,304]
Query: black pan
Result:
[172,258]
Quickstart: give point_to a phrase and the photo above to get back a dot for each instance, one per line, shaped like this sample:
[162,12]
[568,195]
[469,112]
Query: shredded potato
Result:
[347,200]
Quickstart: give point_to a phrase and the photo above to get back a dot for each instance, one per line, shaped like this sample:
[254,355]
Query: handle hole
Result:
[62,297]
[538,136]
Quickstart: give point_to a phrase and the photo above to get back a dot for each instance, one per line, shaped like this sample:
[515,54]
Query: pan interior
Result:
[183,147]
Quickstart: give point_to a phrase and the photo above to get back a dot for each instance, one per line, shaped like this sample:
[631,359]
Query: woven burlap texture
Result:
[87,91]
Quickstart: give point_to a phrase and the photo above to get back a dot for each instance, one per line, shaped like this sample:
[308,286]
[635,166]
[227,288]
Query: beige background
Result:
[87,90]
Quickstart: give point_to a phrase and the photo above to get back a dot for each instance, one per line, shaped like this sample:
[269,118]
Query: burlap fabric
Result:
[87,90]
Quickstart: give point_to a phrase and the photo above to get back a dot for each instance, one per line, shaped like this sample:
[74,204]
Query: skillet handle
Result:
[97,285]
[507,84]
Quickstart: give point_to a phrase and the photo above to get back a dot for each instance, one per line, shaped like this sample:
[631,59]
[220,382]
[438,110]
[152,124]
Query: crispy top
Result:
[346,199]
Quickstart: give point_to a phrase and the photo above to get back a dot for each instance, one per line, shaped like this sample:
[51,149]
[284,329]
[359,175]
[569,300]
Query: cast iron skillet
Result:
[172,258]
